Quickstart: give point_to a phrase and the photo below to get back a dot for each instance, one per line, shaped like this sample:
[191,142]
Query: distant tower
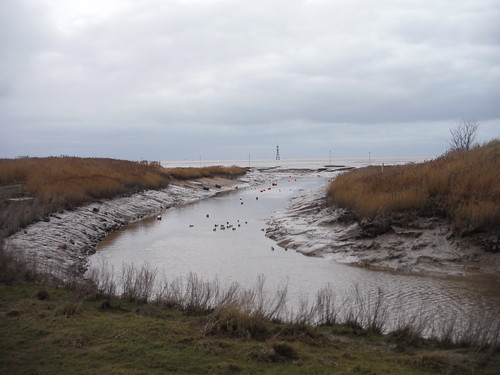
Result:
[277,152]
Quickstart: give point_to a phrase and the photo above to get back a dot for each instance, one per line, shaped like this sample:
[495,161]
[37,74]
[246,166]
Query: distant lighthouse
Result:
[277,152]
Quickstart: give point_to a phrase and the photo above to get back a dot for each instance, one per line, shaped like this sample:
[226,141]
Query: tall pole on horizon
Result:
[330,157]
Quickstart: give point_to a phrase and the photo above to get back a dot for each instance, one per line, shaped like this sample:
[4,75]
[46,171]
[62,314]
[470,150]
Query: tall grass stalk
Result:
[230,305]
[245,311]
[138,284]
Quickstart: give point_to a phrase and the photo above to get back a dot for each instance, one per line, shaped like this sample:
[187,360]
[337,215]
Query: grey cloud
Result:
[252,71]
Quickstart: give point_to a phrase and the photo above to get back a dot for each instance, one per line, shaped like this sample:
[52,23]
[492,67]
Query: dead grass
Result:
[213,171]
[233,321]
[463,186]
[58,183]
[73,180]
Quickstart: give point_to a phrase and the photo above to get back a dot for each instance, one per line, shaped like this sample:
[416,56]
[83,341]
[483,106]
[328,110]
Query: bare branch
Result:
[463,136]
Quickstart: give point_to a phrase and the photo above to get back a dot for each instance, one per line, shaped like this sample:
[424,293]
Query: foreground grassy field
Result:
[57,331]
[462,186]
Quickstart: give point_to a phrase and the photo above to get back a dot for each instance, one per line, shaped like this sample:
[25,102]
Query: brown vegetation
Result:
[56,183]
[72,181]
[462,186]
[193,173]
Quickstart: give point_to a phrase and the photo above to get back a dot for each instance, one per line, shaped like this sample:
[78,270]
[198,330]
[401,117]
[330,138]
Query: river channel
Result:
[189,239]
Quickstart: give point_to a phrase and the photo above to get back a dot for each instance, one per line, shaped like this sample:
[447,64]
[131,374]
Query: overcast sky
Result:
[222,79]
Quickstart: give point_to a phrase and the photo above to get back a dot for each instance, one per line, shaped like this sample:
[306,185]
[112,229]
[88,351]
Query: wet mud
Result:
[416,244]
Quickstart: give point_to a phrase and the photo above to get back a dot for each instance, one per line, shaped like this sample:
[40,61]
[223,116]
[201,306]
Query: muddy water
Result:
[190,239]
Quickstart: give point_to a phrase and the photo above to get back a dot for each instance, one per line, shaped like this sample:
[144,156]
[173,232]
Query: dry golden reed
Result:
[74,181]
[463,186]
[213,171]
[58,183]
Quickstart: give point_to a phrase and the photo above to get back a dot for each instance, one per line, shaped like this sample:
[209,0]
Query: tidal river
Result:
[190,239]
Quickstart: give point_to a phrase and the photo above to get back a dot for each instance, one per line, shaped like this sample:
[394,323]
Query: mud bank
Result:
[63,242]
[421,245]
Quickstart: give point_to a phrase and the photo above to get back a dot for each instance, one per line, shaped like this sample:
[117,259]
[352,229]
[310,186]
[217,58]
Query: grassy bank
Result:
[137,323]
[199,327]
[462,186]
[57,183]
[54,331]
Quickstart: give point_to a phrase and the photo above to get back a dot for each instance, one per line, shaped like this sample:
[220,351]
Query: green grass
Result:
[58,332]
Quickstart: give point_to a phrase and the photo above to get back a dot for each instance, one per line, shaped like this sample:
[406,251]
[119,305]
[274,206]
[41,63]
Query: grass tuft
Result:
[230,320]
[277,352]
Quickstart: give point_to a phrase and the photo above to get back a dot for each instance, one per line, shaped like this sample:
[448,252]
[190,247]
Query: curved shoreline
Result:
[426,245]
[62,244]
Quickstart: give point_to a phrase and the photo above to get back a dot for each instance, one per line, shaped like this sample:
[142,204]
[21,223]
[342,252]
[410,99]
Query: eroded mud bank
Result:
[420,245]
[63,243]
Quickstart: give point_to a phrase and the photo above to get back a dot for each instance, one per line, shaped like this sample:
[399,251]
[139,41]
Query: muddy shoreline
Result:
[63,243]
[424,245]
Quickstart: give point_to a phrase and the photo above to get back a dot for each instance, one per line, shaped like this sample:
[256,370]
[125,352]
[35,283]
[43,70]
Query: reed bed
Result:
[213,171]
[462,186]
[57,183]
[73,180]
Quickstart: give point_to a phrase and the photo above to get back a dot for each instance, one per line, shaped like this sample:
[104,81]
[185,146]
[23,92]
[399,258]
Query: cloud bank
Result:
[222,78]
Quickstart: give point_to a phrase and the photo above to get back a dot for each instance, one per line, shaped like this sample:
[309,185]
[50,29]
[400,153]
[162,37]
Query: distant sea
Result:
[296,163]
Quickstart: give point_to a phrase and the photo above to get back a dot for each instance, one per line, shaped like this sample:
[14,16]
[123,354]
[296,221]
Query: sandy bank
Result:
[424,245]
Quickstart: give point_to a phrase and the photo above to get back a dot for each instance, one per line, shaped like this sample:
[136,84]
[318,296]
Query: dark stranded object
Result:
[218,186]
[206,187]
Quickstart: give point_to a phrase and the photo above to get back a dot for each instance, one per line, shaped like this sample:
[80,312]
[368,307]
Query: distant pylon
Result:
[277,152]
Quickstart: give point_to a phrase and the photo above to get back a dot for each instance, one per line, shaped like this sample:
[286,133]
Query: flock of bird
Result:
[229,226]
[233,227]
